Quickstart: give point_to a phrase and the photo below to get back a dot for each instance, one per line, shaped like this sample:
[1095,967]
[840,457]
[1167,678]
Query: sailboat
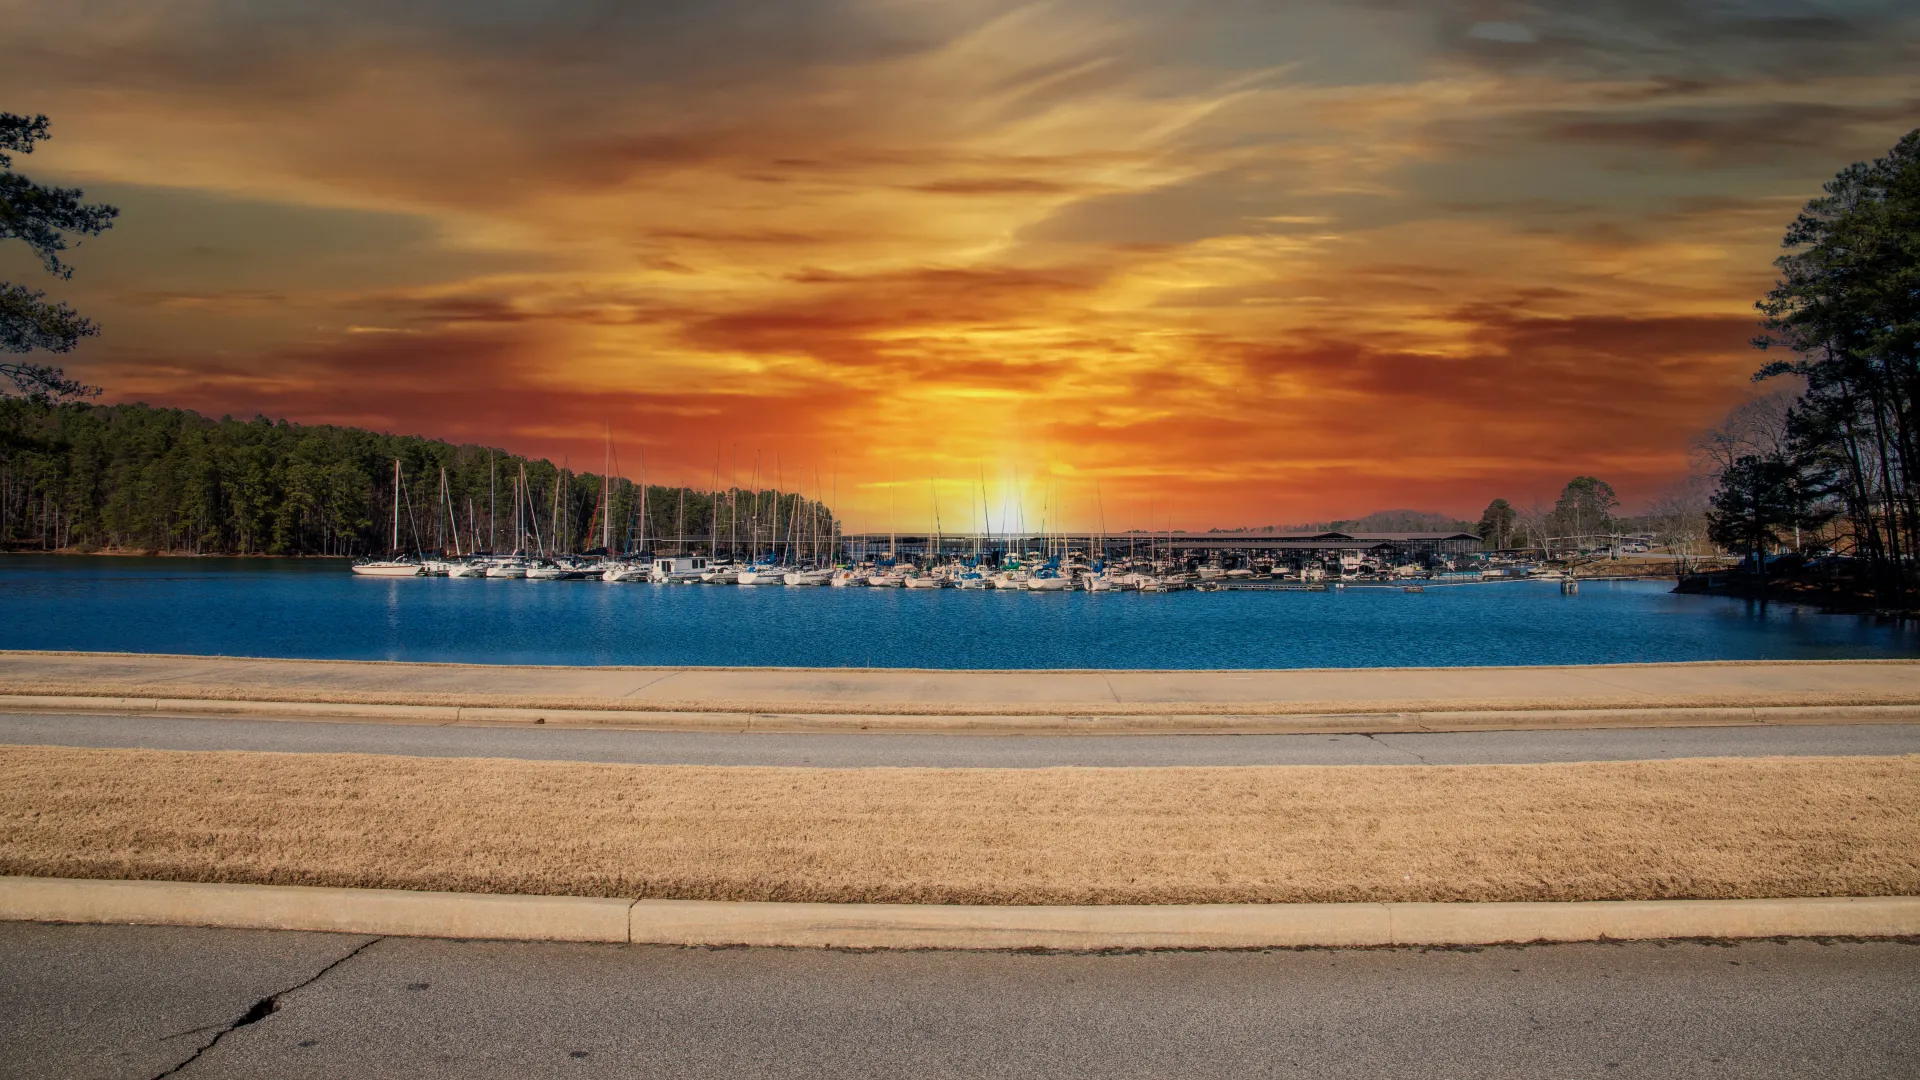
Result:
[514,567]
[394,567]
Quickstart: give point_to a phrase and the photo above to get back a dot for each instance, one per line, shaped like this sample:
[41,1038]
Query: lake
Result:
[316,609]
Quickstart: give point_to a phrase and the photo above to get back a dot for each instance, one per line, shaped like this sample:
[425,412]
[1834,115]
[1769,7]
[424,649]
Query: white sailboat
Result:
[395,567]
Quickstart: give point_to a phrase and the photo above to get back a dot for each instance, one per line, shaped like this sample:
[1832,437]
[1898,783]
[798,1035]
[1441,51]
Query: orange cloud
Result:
[1238,266]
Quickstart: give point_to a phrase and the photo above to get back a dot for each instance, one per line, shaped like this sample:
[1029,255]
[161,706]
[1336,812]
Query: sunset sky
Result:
[1247,263]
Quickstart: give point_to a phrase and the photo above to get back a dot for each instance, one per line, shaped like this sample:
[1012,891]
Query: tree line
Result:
[135,477]
[1583,512]
[1846,311]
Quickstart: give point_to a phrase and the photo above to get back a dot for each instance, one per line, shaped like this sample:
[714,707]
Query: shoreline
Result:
[132,553]
[1824,602]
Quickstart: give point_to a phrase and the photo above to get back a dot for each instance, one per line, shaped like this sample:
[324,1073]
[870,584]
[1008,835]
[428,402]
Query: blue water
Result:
[312,608]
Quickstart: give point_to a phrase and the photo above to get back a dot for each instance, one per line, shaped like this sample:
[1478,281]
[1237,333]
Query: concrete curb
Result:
[939,926]
[1051,723]
[298,907]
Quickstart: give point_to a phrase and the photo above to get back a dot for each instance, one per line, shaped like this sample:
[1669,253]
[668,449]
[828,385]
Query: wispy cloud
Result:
[1294,262]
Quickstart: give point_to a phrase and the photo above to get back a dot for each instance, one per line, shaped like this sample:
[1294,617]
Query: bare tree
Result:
[1756,427]
[1678,516]
[1533,524]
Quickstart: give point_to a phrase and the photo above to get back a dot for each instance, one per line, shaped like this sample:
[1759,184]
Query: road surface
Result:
[135,1002]
[953,751]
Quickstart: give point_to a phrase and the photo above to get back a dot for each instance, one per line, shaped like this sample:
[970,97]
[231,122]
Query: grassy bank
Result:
[1649,830]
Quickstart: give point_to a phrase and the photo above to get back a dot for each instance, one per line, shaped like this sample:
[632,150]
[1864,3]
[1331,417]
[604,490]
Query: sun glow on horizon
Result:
[1223,267]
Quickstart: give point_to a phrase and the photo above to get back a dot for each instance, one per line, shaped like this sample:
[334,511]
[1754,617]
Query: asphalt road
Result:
[135,1002]
[953,751]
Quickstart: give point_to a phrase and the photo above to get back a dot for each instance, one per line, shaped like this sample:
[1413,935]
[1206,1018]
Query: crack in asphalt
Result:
[1417,757]
[258,1011]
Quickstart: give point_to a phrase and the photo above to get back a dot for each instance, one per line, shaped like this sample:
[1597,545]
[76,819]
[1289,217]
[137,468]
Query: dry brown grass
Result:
[1677,829]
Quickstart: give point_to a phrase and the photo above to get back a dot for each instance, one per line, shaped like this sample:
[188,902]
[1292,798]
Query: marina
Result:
[808,547]
[311,608]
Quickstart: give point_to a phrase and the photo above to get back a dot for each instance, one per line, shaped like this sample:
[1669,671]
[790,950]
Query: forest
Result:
[84,477]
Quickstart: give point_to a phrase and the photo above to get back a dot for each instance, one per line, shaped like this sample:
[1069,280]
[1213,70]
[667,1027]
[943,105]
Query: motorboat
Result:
[513,569]
[720,574]
[678,569]
[542,570]
[891,579]
[466,568]
[625,572]
[844,578]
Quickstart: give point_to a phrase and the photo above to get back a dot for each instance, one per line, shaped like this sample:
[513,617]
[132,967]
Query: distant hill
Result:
[1388,521]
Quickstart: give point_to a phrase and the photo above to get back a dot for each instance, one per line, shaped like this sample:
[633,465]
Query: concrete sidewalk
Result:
[1745,684]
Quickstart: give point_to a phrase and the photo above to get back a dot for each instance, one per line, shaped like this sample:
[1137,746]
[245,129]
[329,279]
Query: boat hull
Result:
[387,570]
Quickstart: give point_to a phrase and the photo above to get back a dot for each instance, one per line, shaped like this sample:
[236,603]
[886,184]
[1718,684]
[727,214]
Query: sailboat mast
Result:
[396,506]
[606,496]
[755,481]
[553,516]
[493,540]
